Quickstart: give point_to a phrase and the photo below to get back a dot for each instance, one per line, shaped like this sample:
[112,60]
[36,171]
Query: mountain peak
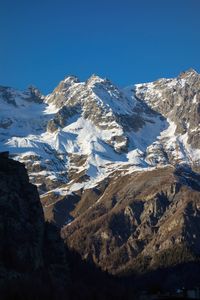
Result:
[95,79]
[71,79]
[189,73]
[191,70]
[67,82]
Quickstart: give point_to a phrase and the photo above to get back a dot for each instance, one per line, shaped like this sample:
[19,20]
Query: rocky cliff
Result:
[31,251]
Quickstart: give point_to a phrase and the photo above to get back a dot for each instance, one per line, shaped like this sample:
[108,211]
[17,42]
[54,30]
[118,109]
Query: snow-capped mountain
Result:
[117,169]
[83,131]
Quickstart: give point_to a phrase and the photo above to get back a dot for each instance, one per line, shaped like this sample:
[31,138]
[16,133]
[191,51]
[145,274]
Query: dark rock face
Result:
[28,244]
[138,219]
[22,221]
[34,95]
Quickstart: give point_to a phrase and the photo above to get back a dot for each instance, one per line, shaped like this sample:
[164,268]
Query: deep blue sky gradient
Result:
[128,41]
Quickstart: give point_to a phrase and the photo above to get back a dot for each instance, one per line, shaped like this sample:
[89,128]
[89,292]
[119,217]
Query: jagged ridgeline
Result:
[116,169]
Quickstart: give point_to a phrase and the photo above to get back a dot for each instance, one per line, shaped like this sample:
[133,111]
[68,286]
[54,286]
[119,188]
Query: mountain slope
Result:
[137,217]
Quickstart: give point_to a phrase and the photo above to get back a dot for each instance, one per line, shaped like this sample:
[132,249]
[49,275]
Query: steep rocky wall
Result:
[31,251]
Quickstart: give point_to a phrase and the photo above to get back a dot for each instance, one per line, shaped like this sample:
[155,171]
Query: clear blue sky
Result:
[127,41]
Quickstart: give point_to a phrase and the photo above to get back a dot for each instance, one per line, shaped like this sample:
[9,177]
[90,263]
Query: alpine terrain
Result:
[117,169]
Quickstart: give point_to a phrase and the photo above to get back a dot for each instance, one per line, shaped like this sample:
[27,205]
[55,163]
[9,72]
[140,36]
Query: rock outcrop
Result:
[31,251]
